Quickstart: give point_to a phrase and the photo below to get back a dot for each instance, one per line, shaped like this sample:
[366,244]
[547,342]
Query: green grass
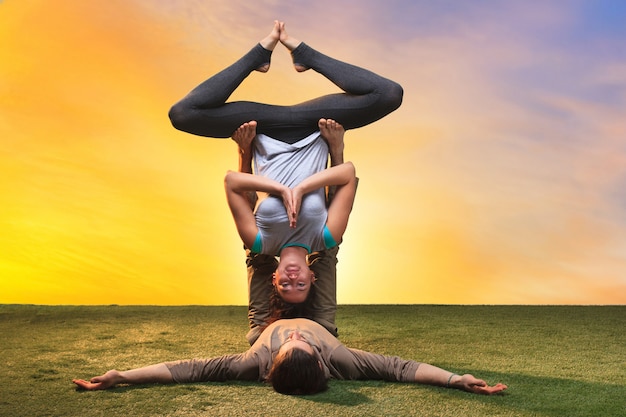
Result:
[557,360]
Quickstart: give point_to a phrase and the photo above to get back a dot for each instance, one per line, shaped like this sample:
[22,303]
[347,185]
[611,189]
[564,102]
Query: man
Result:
[311,353]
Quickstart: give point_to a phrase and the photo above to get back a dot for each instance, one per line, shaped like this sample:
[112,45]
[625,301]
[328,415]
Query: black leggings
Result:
[367,97]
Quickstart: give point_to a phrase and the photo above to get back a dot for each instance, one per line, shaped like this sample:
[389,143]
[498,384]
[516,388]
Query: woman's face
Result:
[293,281]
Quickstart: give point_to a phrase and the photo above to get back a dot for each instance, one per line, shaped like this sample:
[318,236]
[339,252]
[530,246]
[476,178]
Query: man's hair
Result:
[297,372]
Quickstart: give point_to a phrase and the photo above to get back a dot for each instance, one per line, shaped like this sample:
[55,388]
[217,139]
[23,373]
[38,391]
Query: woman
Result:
[367,97]
[265,302]
[293,220]
[313,356]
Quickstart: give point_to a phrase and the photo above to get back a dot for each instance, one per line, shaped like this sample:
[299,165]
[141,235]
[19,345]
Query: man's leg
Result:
[324,265]
[260,270]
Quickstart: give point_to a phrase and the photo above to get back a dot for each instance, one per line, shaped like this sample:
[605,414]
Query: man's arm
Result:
[432,375]
[358,364]
[152,374]
[332,132]
[244,137]
[241,367]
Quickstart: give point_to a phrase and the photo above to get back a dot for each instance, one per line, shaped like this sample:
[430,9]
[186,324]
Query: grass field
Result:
[557,360]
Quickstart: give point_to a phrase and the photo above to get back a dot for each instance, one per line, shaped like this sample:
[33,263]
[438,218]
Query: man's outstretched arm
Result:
[432,375]
[152,374]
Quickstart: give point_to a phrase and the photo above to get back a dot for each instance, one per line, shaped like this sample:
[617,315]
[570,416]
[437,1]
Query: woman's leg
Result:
[367,96]
[204,110]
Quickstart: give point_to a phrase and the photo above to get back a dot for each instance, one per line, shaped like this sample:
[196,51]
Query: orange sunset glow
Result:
[500,180]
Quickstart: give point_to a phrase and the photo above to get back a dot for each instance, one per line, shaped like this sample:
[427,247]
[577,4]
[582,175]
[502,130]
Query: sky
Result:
[500,180]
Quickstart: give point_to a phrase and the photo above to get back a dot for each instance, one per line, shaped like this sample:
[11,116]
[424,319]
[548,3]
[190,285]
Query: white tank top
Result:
[289,164]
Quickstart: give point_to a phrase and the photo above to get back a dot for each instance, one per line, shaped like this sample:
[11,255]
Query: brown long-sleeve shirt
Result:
[339,361]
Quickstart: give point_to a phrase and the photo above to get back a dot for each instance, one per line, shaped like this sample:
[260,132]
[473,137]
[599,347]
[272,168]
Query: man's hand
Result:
[469,383]
[105,381]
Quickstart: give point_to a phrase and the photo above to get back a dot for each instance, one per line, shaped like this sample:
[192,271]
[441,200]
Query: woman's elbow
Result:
[351,169]
[229,180]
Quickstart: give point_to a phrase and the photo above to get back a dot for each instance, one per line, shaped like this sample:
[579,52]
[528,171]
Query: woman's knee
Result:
[393,95]
[178,116]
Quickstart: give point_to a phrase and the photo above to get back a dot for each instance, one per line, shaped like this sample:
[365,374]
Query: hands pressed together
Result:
[292,199]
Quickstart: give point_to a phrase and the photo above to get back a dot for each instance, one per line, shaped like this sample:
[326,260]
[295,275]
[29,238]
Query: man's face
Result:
[295,341]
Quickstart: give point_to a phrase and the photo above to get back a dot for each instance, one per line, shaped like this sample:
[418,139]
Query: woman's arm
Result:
[341,206]
[339,175]
[342,176]
[152,374]
[237,184]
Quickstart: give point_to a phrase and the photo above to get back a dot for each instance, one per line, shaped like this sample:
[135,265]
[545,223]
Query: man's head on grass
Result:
[296,369]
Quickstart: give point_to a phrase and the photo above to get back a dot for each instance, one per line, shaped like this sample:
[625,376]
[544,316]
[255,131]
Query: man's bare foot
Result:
[332,132]
[291,44]
[244,135]
[269,43]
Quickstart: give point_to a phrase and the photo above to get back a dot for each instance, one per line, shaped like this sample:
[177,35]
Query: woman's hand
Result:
[288,200]
[296,195]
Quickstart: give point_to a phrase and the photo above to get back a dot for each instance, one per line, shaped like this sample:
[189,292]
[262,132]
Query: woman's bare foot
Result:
[269,43]
[291,44]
